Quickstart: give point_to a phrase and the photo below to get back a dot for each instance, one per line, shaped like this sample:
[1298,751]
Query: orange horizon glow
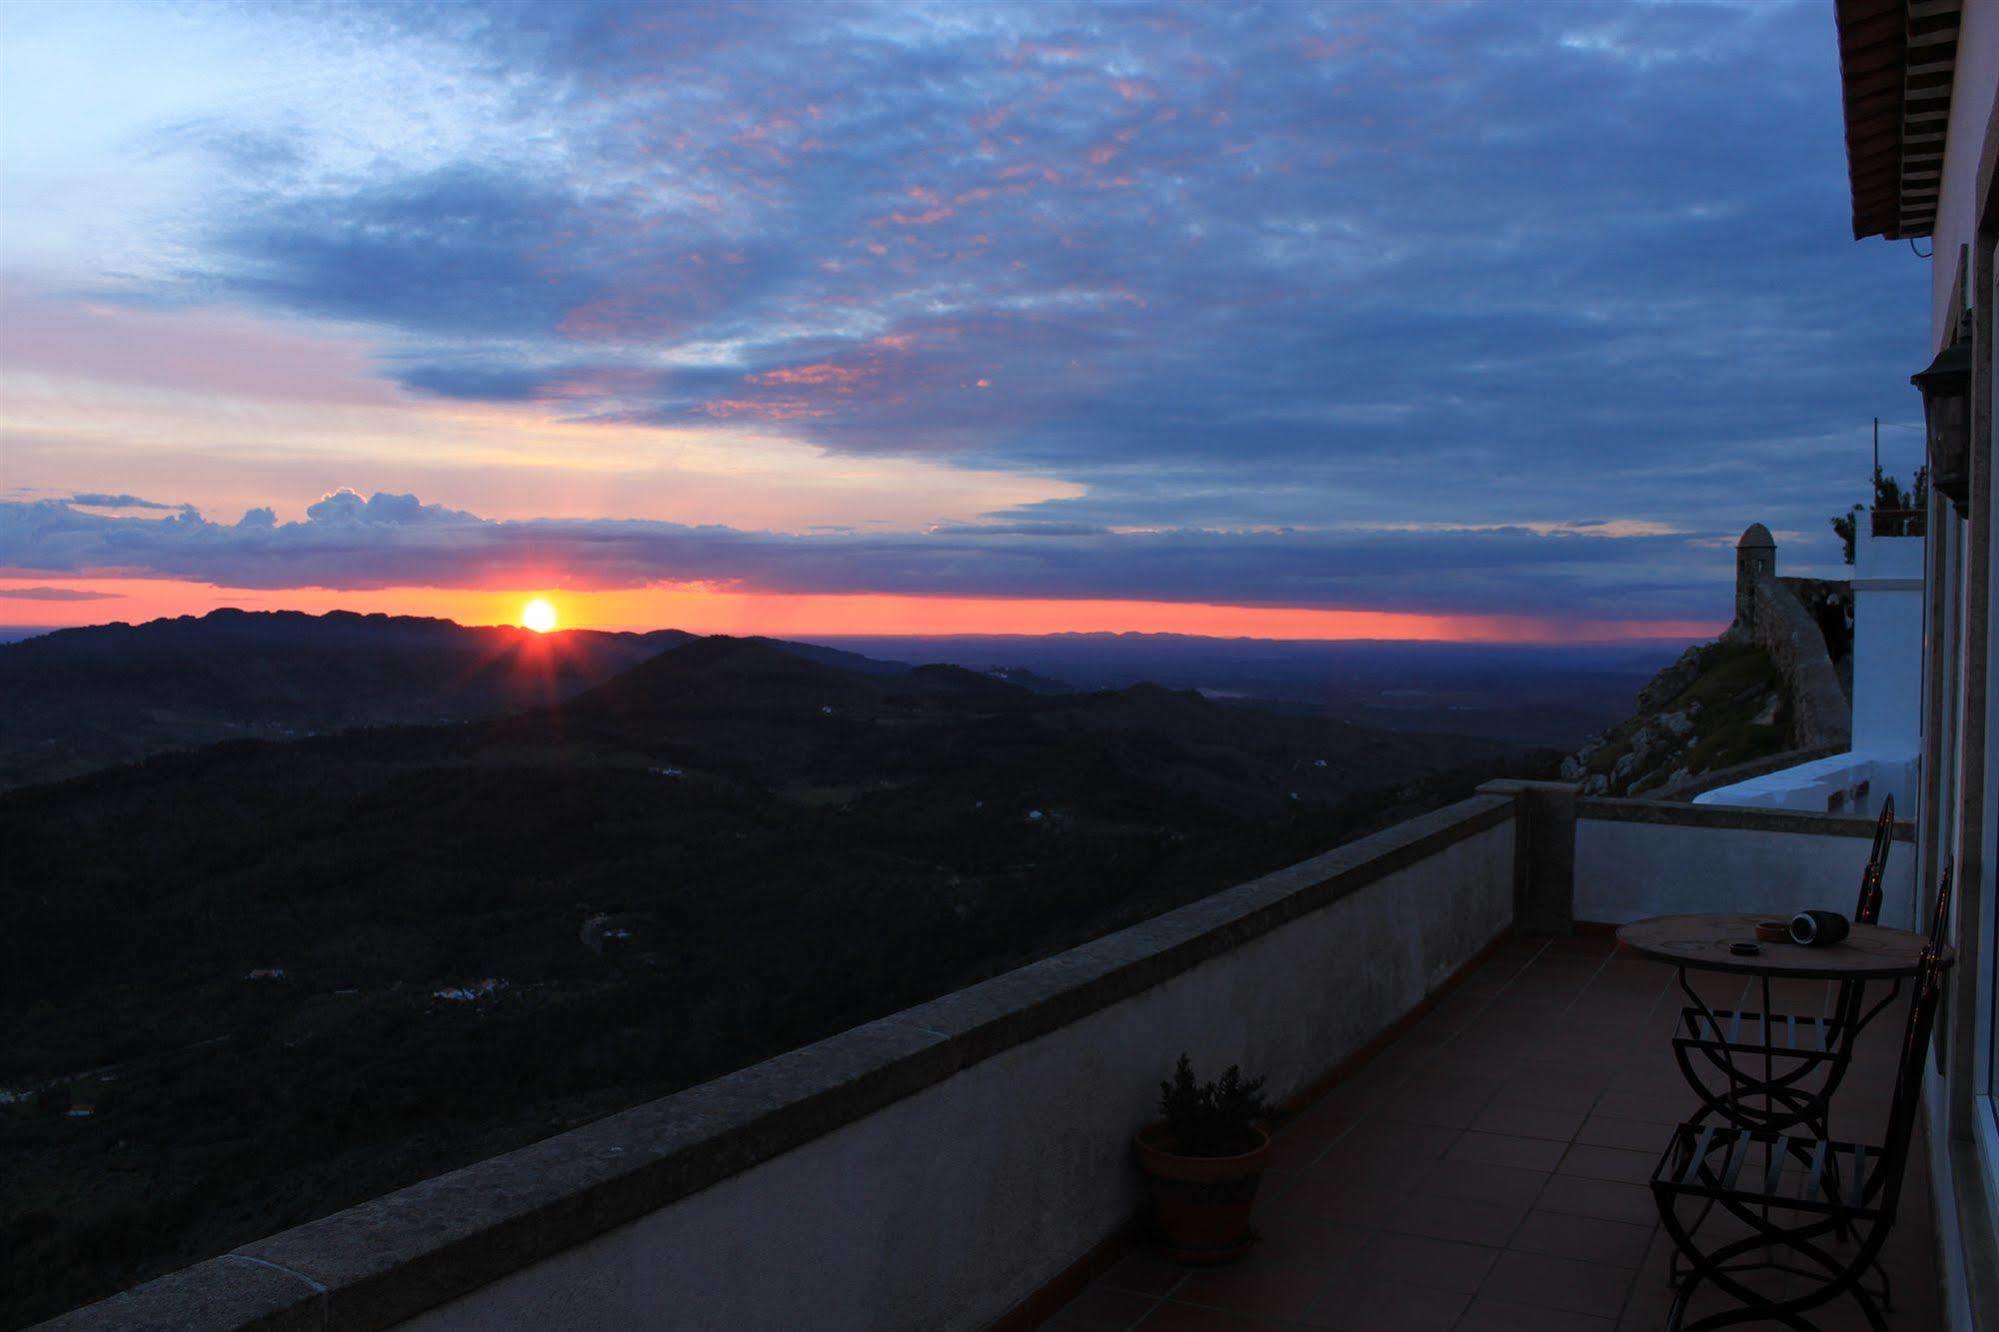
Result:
[703,609]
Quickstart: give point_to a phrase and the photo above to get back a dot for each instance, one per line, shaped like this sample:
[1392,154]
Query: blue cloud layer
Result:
[1192,233]
[351,542]
[1328,267]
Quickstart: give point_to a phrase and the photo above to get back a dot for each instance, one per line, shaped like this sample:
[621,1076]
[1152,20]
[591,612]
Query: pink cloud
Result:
[767,409]
[839,378]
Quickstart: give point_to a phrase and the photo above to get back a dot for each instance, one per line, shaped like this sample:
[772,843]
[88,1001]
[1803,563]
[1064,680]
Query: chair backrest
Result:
[1940,916]
[1927,995]
[1868,910]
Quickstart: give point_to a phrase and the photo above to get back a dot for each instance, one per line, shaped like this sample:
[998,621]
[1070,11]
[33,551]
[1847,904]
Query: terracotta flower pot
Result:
[1200,1204]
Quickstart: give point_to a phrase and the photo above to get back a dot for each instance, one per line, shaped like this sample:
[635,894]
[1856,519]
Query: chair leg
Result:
[1842,1275]
[1712,1269]
[1673,1259]
[1789,1312]
[1747,1313]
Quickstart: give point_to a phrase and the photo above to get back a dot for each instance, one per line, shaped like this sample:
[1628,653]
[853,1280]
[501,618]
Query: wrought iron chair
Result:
[1830,1204]
[1725,1040]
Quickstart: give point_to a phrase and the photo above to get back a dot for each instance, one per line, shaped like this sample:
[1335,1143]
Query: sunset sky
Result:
[1448,320]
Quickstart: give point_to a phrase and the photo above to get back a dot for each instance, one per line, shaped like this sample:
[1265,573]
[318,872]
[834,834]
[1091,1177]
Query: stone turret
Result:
[1755,555]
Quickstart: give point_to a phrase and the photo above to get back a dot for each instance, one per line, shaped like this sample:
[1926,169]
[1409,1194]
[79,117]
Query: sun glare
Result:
[538,615]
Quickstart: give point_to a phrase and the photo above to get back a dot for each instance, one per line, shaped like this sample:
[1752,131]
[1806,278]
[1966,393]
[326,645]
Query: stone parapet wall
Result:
[928,1170]
[1639,858]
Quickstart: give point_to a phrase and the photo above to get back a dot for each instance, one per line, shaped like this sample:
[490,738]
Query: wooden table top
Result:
[1869,952]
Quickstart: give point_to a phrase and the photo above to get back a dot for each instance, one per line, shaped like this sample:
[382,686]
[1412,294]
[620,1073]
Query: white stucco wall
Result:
[948,1207]
[1975,85]
[1849,783]
[1887,644]
[1629,870]
[1975,76]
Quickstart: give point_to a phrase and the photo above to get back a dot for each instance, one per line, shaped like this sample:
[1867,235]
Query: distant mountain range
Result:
[1528,694]
[76,700]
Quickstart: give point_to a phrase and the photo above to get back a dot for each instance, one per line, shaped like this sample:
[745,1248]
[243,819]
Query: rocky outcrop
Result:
[1671,682]
[1718,705]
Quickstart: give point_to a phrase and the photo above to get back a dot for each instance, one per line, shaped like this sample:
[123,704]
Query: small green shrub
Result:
[1214,1118]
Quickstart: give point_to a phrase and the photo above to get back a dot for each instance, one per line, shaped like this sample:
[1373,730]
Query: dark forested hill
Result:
[82,699]
[284,976]
[77,700]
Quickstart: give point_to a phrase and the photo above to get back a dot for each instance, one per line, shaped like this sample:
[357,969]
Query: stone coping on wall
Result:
[1747,817]
[389,1259]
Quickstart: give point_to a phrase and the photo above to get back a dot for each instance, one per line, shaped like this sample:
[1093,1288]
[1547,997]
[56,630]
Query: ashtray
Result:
[1773,931]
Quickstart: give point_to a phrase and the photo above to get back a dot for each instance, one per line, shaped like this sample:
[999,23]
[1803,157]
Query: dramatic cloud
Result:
[348,542]
[1321,303]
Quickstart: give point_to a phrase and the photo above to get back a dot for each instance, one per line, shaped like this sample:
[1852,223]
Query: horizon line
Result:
[28,631]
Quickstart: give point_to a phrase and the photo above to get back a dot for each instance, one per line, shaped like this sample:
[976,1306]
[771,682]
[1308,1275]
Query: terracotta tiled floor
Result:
[1487,1171]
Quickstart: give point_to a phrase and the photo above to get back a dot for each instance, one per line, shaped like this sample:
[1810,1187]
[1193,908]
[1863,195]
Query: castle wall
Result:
[1820,713]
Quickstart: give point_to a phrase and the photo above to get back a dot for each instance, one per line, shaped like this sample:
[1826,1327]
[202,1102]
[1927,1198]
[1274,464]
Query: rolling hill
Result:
[82,699]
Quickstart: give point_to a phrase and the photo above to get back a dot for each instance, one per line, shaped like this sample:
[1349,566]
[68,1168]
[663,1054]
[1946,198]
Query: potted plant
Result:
[1202,1163]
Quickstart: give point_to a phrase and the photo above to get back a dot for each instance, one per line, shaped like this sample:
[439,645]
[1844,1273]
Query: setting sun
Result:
[538,615]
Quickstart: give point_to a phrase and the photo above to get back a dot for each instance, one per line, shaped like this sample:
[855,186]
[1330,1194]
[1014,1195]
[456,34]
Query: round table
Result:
[1804,1044]
[1701,942]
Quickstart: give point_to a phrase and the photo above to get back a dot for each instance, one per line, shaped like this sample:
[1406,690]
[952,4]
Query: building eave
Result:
[1897,60]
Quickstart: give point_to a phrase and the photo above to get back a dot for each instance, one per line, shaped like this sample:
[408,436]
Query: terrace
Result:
[1475,1090]
[1487,1171]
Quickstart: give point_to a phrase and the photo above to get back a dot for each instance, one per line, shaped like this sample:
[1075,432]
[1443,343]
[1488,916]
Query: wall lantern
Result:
[1946,390]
